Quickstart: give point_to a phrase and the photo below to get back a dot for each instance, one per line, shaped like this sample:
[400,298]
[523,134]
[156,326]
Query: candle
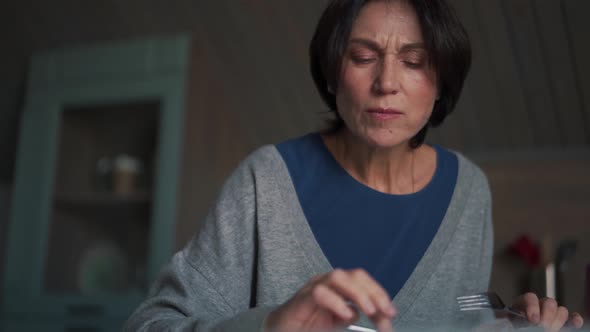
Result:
[587,290]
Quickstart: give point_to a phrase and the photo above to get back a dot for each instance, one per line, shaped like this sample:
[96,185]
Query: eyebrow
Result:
[376,47]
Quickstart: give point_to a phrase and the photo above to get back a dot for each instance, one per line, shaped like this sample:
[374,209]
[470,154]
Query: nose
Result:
[386,78]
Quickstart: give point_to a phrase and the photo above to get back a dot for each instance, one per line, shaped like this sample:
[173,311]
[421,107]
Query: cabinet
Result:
[94,205]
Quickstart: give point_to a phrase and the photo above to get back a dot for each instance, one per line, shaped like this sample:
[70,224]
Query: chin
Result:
[384,138]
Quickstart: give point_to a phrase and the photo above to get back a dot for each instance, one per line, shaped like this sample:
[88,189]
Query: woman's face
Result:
[387,88]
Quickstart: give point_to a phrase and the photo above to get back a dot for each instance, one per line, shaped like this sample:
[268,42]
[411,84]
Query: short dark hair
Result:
[445,39]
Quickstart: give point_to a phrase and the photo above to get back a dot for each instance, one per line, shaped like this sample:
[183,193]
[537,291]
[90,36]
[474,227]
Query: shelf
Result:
[107,229]
[94,199]
[105,206]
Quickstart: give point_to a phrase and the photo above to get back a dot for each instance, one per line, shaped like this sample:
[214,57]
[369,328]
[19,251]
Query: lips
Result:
[384,113]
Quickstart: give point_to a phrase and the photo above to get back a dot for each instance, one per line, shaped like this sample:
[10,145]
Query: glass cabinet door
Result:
[102,200]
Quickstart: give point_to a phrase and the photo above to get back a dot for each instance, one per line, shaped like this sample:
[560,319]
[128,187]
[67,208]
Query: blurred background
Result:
[119,121]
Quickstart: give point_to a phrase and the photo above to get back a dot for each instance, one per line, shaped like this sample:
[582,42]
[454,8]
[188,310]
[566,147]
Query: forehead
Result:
[387,21]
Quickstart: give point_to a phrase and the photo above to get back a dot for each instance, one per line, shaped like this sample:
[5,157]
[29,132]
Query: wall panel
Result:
[575,15]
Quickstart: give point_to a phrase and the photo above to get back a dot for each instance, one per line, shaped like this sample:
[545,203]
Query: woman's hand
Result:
[330,301]
[546,313]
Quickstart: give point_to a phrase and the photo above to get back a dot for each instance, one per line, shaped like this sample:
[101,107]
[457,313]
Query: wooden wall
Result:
[528,87]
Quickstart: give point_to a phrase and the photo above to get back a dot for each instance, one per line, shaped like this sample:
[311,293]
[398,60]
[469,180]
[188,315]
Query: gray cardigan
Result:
[255,249]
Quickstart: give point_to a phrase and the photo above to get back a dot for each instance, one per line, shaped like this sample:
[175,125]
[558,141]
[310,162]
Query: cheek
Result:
[422,83]
[354,86]
[422,92]
[349,98]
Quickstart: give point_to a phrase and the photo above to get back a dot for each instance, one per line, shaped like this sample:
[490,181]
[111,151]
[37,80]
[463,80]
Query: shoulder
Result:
[262,162]
[267,165]
[261,156]
[467,168]
[241,190]
[474,177]
[270,161]
[293,149]
[471,179]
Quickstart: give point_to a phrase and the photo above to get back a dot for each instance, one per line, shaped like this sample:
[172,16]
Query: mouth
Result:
[384,113]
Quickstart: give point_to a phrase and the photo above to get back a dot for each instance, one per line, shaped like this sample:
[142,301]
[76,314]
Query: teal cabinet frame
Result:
[140,70]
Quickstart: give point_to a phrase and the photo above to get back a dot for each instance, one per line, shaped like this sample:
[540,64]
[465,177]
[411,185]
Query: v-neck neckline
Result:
[423,271]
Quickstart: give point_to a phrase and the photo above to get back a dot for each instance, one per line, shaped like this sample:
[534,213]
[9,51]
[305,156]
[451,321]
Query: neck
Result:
[389,170]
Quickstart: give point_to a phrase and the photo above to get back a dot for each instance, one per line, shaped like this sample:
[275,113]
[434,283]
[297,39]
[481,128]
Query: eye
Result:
[361,60]
[362,56]
[414,60]
[413,64]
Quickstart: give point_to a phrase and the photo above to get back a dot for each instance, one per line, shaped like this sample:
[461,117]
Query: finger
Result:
[354,319]
[560,319]
[529,305]
[316,278]
[576,320]
[342,324]
[327,299]
[310,284]
[342,283]
[376,292]
[382,323]
[548,311]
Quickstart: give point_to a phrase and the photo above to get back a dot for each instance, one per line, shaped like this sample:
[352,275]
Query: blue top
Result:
[357,226]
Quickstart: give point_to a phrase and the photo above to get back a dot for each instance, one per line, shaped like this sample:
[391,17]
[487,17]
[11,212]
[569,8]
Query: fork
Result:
[357,327]
[486,300]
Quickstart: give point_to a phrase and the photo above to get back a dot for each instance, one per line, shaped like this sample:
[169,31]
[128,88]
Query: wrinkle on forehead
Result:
[392,26]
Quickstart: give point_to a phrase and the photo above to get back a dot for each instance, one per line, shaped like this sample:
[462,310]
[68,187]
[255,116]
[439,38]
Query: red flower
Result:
[526,249]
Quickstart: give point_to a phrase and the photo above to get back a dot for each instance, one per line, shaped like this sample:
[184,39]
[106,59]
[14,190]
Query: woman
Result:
[322,231]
